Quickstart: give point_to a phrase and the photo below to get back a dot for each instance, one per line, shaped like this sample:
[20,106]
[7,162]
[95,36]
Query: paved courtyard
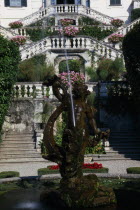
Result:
[30,169]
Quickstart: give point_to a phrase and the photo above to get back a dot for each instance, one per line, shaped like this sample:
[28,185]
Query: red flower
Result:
[85,166]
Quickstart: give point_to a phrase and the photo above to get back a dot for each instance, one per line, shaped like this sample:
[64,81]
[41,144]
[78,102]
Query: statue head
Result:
[80,91]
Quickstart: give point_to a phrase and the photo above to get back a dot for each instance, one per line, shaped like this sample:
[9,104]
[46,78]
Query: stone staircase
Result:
[19,147]
[123,145]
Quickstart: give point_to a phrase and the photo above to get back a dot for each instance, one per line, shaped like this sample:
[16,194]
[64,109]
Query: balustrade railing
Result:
[7,33]
[74,43]
[24,30]
[36,90]
[60,9]
[32,90]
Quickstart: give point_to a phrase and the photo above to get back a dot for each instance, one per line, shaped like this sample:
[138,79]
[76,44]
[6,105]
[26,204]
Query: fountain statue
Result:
[75,189]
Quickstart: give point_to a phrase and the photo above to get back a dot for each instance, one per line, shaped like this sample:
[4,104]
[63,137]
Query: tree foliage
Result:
[35,69]
[9,59]
[131,51]
[135,13]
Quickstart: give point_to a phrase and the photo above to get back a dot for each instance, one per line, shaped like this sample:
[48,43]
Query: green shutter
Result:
[7,3]
[24,3]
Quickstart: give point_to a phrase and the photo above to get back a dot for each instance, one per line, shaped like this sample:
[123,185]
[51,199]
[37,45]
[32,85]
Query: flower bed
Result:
[69,31]
[117,22]
[16,24]
[87,168]
[74,76]
[20,40]
[66,22]
[115,38]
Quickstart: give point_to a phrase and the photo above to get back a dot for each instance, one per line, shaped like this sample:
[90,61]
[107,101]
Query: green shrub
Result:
[87,21]
[44,171]
[9,59]
[8,174]
[92,74]
[95,32]
[37,34]
[108,69]
[133,170]
[135,13]
[35,69]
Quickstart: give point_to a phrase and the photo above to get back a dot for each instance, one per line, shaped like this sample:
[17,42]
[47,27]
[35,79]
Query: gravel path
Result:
[30,169]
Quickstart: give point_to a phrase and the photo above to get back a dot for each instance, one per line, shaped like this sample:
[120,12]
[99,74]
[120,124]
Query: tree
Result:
[9,59]
[131,51]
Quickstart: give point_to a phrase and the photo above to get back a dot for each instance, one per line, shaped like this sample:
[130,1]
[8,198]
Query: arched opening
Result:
[74,65]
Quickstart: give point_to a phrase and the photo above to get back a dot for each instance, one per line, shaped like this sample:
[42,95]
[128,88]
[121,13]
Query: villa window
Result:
[15,3]
[115,2]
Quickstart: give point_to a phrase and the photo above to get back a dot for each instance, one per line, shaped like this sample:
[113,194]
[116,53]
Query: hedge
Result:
[44,171]
[133,170]
[8,174]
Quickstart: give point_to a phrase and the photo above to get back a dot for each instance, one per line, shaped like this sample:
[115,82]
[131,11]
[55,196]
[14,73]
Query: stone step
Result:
[16,149]
[33,151]
[18,146]
[123,156]
[19,155]
[22,160]
[114,152]
[122,143]
[18,138]
[126,147]
[111,159]
[17,141]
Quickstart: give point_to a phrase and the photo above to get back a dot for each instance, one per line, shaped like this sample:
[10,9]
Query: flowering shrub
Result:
[74,76]
[16,24]
[117,22]
[114,38]
[66,22]
[69,31]
[20,40]
[85,166]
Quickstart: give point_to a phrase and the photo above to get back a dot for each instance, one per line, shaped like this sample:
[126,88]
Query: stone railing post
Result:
[38,137]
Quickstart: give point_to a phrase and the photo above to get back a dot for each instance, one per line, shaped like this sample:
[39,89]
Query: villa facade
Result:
[12,10]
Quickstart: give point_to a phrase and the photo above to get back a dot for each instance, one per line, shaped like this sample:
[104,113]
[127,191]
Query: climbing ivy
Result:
[9,58]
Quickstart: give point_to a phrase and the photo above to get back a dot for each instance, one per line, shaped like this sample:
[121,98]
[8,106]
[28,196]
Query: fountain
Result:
[75,189]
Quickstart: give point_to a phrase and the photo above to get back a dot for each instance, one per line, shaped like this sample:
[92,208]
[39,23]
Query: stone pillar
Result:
[39,137]
[83,2]
[48,2]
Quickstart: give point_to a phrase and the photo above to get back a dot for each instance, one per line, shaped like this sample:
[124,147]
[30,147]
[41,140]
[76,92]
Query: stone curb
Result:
[57,176]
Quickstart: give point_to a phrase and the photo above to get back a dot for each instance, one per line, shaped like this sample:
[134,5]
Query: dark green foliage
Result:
[107,70]
[8,174]
[9,59]
[119,101]
[135,13]
[110,69]
[37,34]
[34,69]
[133,170]
[131,51]
[95,32]
[74,65]
[44,171]
[87,21]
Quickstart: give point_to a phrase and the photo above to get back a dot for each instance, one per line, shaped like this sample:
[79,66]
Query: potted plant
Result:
[20,40]
[16,24]
[117,22]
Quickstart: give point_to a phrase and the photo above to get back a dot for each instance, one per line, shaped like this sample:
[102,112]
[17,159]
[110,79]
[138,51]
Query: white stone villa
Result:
[54,47]
[11,10]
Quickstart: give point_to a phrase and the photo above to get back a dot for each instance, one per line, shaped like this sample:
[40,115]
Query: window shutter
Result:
[7,3]
[24,3]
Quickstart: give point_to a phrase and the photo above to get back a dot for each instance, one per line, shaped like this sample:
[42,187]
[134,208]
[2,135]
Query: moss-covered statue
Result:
[75,189]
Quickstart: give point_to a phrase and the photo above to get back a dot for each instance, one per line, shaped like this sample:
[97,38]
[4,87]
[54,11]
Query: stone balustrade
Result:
[37,90]
[32,90]
[69,8]
[7,33]
[23,31]
[75,43]
[124,29]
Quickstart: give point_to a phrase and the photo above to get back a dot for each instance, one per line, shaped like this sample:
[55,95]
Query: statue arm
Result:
[55,151]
